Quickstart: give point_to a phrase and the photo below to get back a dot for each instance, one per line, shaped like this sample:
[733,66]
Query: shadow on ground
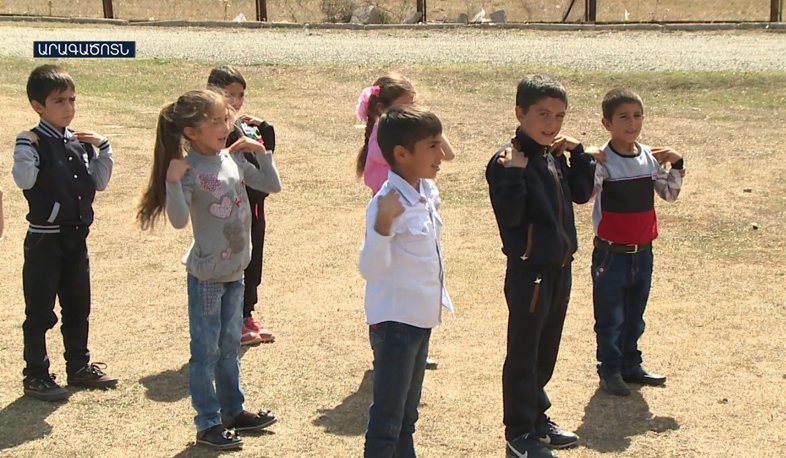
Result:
[24,420]
[349,418]
[610,422]
[167,386]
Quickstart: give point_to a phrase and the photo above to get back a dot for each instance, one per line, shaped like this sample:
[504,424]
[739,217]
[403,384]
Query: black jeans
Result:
[253,274]
[56,265]
[537,302]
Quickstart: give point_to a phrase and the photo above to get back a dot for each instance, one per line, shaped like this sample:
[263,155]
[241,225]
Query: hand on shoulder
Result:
[664,154]
[511,157]
[88,136]
[563,143]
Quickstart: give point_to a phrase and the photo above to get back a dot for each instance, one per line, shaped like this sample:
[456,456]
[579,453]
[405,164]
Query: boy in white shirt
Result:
[402,264]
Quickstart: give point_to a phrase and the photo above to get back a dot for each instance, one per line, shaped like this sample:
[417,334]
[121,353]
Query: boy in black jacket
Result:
[59,172]
[532,190]
[231,81]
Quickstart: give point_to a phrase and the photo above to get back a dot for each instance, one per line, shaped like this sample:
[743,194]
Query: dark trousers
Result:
[56,265]
[253,273]
[537,302]
[620,289]
[400,352]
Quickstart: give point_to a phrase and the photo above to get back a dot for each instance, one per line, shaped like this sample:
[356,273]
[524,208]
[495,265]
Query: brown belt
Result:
[619,247]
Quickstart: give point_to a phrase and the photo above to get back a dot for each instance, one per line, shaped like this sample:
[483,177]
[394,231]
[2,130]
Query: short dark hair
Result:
[534,88]
[224,75]
[616,97]
[405,125]
[45,80]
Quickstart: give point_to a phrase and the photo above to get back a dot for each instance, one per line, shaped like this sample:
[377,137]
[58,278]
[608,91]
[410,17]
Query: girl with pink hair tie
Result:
[387,91]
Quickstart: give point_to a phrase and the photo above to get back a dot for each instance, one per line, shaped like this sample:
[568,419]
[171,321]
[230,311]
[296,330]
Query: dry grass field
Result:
[398,10]
[716,317]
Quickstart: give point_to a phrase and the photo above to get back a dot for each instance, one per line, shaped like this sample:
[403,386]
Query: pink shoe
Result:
[265,336]
[248,336]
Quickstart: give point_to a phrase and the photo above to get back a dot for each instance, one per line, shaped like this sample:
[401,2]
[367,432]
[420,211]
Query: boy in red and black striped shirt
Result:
[623,216]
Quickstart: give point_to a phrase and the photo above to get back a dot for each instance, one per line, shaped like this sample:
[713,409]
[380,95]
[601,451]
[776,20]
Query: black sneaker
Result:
[219,438]
[614,385]
[642,376]
[527,446]
[249,421]
[45,388]
[552,436]
[91,376]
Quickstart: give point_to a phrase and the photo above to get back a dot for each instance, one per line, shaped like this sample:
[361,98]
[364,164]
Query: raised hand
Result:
[250,120]
[665,154]
[246,144]
[88,136]
[512,157]
[388,208]
[563,143]
[177,168]
[597,154]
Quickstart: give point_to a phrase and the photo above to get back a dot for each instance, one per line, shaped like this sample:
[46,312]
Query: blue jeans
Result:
[620,289]
[400,352]
[215,313]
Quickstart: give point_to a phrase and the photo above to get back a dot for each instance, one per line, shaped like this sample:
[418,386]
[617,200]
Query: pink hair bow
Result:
[361,110]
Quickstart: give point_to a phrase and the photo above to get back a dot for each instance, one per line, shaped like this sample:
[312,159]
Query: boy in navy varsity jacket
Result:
[623,216]
[532,190]
[231,81]
[60,173]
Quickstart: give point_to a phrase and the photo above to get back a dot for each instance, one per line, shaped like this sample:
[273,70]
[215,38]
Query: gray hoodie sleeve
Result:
[178,200]
[264,179]
[100,168]
[26,161]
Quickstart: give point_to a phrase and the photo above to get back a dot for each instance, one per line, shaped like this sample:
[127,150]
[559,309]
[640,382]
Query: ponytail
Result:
[371,115]
[169,145]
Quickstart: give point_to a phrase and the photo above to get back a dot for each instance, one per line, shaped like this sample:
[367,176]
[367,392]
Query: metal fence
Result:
[395,11]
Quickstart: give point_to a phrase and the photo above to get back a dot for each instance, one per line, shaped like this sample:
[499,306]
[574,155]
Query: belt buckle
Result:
[635,248]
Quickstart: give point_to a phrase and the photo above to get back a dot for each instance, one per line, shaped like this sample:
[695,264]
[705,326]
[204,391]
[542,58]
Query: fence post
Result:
[261,10]
[422,10]
[108,12]
[590,10]
[775,10]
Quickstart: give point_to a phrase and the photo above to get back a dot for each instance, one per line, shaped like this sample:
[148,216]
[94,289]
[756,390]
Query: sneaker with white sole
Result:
[527,446]
[265,336]
[248,336]
[553,437]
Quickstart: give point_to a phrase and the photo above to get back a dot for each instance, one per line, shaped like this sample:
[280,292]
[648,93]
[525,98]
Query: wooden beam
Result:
[109,13]
[421,7]
[261,10]
[776,10]
[590,10]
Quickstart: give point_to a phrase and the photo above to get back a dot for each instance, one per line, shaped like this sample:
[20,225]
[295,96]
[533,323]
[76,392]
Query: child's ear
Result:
[606,123]
[520,114]
[189,133]
[400,154]
[37,106]
[381,108]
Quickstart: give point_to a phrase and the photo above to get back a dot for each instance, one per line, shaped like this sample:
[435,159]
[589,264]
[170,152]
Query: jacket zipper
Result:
[535,293]
[529,241]
[559,207]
